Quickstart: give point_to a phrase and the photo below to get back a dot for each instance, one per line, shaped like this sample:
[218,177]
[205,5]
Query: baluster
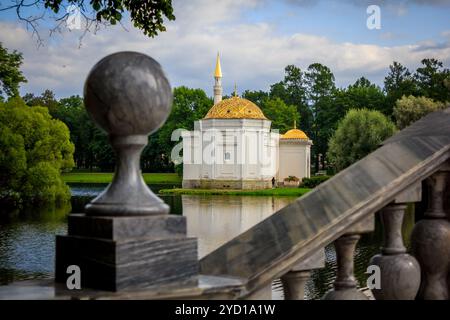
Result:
[430,242]
[294,284]
[399,271]
[345,283]
[294,281]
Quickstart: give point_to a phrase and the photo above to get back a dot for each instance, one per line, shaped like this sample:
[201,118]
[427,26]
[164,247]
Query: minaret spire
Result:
[295,124]
[218,81]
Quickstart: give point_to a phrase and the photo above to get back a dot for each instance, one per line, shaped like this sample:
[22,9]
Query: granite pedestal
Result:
[119,253]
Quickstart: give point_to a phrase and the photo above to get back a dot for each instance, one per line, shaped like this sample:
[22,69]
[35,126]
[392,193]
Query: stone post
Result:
[126,239]
[294,284]
[345,284]
[294,281]
[400,272]
[430,241]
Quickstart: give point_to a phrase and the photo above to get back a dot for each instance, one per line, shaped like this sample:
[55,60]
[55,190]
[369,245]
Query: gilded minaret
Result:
[218,81]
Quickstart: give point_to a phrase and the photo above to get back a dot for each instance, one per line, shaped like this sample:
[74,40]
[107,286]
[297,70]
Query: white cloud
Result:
[253,54]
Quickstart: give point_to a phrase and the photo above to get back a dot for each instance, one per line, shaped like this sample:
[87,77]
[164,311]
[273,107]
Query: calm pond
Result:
[27,238]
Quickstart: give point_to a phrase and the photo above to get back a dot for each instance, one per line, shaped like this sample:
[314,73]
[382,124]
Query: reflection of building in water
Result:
[233,147]
[218,219]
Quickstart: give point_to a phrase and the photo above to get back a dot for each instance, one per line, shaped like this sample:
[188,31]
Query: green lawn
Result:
[291,192]
[106,177]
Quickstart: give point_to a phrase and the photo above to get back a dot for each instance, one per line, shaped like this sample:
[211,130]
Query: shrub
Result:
[314,181]
[359,133]
[179,170]
[291,178]
[410,109]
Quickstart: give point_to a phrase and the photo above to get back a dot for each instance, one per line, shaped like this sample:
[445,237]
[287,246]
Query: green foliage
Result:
[319,89]
[10,74]
[257,97]
[179,170]
[410,109]
[360,132]
[188,105]
[431,80]
[46,99]
[145,15]
[364,94]
[397,83]
[34,149]
[275,109]
[292,90]
[282,115]
[314,181]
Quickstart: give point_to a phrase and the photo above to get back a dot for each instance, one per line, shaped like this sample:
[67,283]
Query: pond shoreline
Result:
[106,177]
[281,192]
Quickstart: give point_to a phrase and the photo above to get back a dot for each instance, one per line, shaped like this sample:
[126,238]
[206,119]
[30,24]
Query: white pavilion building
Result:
[233,147]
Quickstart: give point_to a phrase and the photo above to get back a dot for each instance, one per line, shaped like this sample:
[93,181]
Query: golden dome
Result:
[235,108]
[294,134]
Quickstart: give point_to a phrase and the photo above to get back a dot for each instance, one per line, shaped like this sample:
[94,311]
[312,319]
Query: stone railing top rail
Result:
[275,245]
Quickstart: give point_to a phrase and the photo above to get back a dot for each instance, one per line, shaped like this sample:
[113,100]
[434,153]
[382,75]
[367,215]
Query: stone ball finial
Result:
[127,93]
[128,96]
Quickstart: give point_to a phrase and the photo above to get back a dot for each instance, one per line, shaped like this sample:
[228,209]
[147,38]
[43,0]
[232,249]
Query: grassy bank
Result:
[287,192]
[106,177]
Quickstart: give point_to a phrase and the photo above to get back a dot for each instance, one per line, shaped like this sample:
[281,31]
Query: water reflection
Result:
[27,241]
[215,220]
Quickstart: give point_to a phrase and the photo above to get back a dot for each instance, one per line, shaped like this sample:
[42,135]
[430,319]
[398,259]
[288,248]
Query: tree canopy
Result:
[146,15]
[34,149]
[10,74]
[409,109]
[360,132]
[283,116]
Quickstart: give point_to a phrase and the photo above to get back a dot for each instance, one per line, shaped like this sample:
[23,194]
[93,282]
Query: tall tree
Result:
[431,80]
[319,83]
[283,116]
[10,74]
[397,83]
[46,99]
[89,141]
[364,94]
[257,97]
[292,90]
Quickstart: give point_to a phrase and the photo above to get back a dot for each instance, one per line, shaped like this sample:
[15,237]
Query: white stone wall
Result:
[294,159]
[230,149]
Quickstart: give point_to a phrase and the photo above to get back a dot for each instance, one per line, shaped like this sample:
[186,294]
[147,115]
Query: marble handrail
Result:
[272,247]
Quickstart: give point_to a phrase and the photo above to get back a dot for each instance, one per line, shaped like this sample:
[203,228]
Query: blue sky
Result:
[256,39]
[344,21]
